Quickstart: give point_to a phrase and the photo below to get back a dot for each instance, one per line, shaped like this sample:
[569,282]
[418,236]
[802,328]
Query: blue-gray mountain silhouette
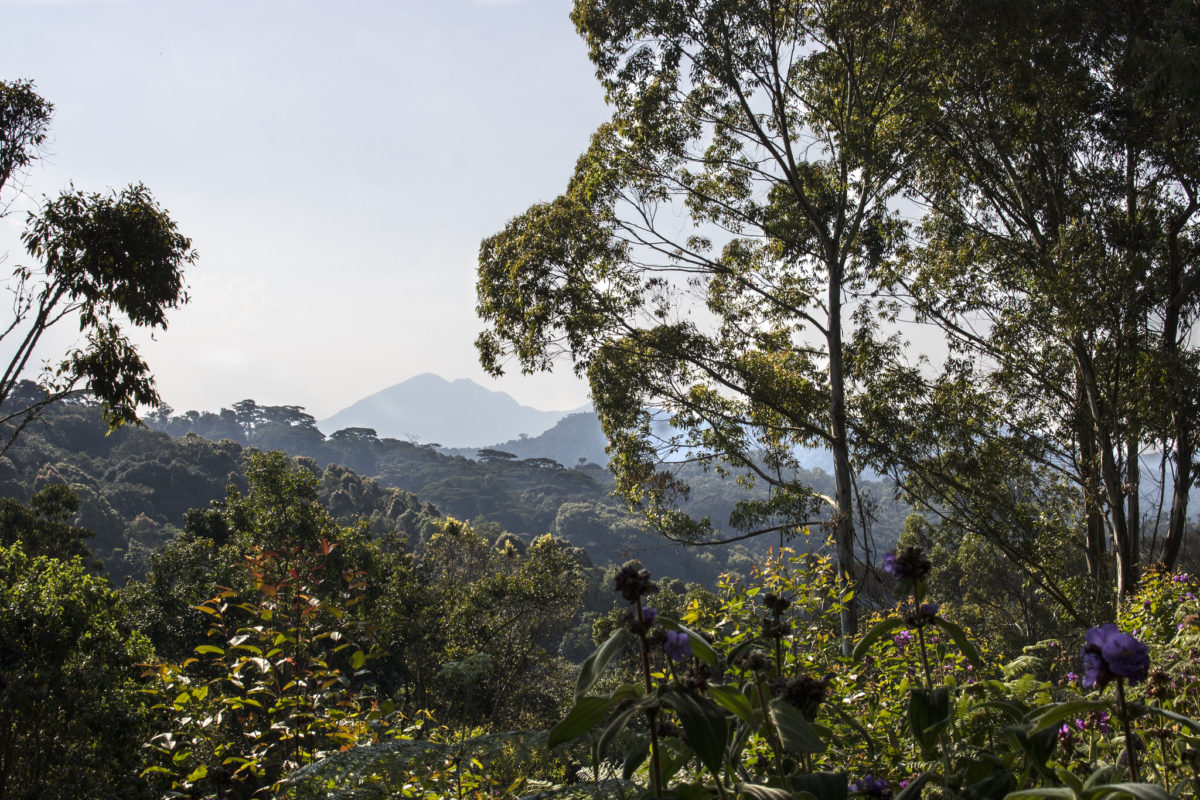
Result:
[428,408]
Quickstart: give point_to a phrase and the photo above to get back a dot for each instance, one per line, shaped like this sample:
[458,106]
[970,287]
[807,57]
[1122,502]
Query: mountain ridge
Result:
[453,413]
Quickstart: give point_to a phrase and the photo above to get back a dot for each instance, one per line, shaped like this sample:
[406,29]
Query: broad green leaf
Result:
[1069,779]
[756,791]
[596,663]
[732,699]
[614,728]
[1008,708]
[1055,792]
[586,714]
[877,632]
[636,753]
[1142,791]
[796,732]
[929,711]
[705,725]
[821,785]
[209,648]
[692,791]
[198,774]
[358,659]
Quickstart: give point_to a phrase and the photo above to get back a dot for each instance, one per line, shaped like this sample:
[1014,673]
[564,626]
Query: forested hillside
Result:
[136,486]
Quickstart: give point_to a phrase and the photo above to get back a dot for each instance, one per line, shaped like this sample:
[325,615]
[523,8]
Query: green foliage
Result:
[43,527]
[918,702]
[70,712]
[748,327]
[24,125]
[275,686]
[108,261]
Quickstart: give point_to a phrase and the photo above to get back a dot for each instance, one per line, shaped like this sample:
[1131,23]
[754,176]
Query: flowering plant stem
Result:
[1127,727]
[773,737]
[924,657]
[651,713]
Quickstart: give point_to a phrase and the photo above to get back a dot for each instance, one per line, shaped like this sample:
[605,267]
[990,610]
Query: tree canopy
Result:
[732,256]
[105,261]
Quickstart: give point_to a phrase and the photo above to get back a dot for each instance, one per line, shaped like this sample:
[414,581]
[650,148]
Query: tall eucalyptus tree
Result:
[715,253]
[1061,251]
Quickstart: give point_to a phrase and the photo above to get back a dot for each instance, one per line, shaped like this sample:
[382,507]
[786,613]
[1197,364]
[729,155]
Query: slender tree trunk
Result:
[1133,499]
[1113,487]
[843,516]
[1089,477]
[1179,499]
[1183,412]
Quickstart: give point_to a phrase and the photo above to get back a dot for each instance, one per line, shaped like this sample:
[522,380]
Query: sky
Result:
[335,164]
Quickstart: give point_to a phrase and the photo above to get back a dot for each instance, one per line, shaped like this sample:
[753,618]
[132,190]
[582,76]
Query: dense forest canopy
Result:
[237,605]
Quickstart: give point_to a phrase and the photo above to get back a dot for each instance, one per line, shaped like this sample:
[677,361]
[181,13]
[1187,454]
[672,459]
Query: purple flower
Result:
[872,786]
[1127,657]
[678,645]
[902,639]
[1072,677]
[649,614]
[1108,653]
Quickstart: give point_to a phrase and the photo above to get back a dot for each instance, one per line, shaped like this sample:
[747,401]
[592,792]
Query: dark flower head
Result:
[678,645]
[907,564]
[773,627]
[1109,653]
[698,676]
[805,693]
[872,786]
[634,582]
[1160,685]
[756,660]
[776,604]
[921,616]
[649,614]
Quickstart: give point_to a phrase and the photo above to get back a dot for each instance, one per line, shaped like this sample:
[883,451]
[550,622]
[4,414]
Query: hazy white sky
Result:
[335,164]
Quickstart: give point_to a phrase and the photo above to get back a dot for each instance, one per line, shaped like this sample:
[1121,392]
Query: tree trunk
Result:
[1133,499]
[1089,478]
[1113,487]
[1179,499]
[843,515]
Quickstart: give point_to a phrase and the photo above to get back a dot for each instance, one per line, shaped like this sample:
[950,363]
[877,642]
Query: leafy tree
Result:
[1062,176]
[70,714]
[43,528]
[718,248]
[24,124]
[271,690]
[104,260]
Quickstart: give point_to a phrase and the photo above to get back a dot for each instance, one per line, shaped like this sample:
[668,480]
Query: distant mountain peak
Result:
[455,413]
